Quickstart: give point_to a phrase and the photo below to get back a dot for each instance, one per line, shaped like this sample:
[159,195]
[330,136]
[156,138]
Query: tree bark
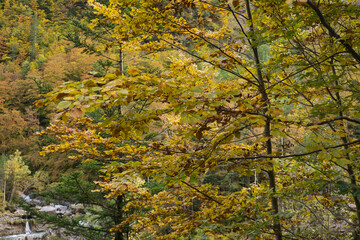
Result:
[121,61]
[349,169]
[4,191]
[118,217]
[267,132]
[12,192]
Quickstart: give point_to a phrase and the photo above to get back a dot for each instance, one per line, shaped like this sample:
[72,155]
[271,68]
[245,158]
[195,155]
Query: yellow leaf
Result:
[133,72]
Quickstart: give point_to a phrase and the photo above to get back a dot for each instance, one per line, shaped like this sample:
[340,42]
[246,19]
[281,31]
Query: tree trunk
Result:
[12,192]
[349,169]
[267,132]
[118,217]
[4,191]
[121,62]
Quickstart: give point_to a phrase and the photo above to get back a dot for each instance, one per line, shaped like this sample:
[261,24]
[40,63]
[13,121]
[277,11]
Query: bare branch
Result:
[335,119]
[296,155]
[207,196]
[211,63]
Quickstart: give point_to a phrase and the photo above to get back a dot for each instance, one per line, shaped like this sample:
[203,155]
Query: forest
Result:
[183,119]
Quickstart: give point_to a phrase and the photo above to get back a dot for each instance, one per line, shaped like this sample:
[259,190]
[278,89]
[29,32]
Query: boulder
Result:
[20,212]
[49,210]
[62,210]
[11,224]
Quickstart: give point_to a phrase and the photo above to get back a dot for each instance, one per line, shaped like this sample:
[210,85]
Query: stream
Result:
[31,230]
[27,235]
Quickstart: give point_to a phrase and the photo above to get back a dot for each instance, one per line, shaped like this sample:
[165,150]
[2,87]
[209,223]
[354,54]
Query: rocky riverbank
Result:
[15,223]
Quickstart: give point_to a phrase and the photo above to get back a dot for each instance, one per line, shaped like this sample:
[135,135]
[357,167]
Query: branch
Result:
[224,8]
[335,119]
[240,25]
[316,217]
[209,62]
[219,48]
[296,155]
[300,71]
[332,32]
[211,198]
[332,212]
[213,45]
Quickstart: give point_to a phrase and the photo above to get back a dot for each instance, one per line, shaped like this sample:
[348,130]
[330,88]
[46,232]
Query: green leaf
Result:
[228,139]
[193,178]
[63,105]
[96,89]
[343,161]
[198,90]
[123,91]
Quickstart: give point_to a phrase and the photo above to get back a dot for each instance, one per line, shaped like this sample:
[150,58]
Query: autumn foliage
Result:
[259,95]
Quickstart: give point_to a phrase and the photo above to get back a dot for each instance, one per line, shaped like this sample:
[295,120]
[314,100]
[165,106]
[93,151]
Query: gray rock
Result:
[62,210]
[49,210]
[20,212]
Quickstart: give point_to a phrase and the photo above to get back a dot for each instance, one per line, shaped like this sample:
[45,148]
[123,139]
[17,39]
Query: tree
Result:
[16,173]
[3,160]
[90,151]
[234,102]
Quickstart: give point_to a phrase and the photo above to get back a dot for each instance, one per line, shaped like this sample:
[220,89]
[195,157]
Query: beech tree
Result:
[254,88]
[16,173]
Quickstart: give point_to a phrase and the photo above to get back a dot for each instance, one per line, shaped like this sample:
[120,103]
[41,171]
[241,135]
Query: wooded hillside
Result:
[184,119]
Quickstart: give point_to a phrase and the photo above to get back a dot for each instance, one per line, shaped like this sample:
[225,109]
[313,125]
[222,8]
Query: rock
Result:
[33,236]
[62,210]
[11,224]
[20,212]
[49,210]
[61,233]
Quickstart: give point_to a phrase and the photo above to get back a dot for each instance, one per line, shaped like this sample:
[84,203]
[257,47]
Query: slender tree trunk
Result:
[119,217]
[4,191]
[272,186]
[354,189]
[12,192]
[121,60]
[349,169]
[34,35]
[354,186]
[267,131]
[121,68]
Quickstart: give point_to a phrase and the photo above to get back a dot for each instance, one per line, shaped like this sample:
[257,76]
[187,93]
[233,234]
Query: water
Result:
[14,237]
[33,236]
[27,227]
